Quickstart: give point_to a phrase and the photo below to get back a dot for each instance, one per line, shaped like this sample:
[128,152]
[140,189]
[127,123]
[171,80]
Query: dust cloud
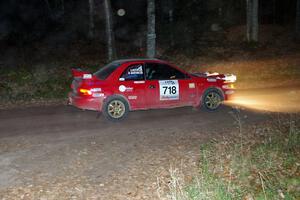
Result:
[276,99]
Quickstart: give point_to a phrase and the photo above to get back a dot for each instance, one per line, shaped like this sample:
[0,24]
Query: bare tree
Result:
[248,20]
[62,6]
[109,30]
[171,21]
[56,9]
[274,11]
[255,21]
[91,33]
[151,36]
[298,20]
[48,6]
[252,20]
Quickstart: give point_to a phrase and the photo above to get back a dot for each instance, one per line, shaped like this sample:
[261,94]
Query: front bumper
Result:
[85,103]
[228,94]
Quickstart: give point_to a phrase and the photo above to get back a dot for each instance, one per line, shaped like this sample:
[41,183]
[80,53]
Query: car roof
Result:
[121,61]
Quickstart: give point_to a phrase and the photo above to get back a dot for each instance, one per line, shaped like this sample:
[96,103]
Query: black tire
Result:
[115,108]
[212,99]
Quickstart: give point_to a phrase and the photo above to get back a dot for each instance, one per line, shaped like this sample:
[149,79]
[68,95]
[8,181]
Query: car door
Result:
[167,86]
[132,85]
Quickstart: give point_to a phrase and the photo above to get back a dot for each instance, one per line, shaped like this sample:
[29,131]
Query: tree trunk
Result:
[171,21]
[274,11]
[63,6]
[252,20]
[249,24]
[109,31]
[151,36]
[91,33]
[254,35]
[56,10]
[49,8]
[298,20]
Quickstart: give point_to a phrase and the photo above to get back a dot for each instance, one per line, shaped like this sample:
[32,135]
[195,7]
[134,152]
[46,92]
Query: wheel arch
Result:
[212,88]
[108,98]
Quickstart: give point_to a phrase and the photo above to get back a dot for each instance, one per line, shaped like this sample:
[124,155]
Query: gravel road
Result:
[60,152]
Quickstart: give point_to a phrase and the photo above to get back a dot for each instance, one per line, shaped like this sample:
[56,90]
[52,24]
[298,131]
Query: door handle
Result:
[151,86]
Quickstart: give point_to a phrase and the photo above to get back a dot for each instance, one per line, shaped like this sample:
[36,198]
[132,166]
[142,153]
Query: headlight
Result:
[229,78]
[228,86]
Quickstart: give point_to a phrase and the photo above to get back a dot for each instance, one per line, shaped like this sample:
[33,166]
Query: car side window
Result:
[158,71]
[133,72]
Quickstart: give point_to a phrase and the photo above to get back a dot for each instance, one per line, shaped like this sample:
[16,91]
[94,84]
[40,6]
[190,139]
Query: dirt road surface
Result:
[60,152]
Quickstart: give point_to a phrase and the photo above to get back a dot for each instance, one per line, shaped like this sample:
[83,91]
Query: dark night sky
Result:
[33,19]
[27,26]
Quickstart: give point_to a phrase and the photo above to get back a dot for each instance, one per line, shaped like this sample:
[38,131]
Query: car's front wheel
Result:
[115,109]
[212,99]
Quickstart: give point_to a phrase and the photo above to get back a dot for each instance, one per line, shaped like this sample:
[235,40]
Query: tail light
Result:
[85,92]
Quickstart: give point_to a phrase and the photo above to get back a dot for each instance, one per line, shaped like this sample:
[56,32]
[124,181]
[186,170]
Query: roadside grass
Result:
[262,163]
[41,82]
[26,84]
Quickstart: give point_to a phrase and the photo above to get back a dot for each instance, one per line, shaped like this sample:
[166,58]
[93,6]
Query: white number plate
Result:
[169,90]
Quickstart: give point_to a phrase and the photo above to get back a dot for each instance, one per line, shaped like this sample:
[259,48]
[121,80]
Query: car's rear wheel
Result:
[212,99]
[115,109]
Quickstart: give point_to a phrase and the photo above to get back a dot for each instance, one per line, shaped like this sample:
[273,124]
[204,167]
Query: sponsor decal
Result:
[138,70]
[96,90]
[169,90]
[132,97]
[191,85]
[98,94]
[138,82]
[129,89]
[123,88]
[212,80]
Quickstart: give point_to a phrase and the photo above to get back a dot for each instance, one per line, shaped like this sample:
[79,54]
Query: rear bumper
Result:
[85,103]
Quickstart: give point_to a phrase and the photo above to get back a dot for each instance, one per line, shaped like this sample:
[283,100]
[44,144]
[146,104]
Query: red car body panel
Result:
[89,91]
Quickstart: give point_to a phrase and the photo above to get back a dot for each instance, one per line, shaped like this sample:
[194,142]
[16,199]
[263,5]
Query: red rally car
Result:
[140,84]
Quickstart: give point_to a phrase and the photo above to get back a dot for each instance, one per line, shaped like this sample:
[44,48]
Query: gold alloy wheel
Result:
[212,100]
[116,109]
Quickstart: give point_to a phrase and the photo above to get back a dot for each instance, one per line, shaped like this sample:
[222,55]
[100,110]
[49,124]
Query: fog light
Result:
[228,92]
[228,86]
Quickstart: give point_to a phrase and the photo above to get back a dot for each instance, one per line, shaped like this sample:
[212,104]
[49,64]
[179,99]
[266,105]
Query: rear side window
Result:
[133,72]
[107,70]
[158,71]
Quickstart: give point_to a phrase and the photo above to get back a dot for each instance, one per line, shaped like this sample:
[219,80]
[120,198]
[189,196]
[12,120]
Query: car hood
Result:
[217,76]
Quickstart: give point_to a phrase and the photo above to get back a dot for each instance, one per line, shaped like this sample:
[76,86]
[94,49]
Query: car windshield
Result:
[105,71]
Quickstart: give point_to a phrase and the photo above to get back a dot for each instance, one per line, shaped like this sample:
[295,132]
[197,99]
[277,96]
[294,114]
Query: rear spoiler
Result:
[79,73]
